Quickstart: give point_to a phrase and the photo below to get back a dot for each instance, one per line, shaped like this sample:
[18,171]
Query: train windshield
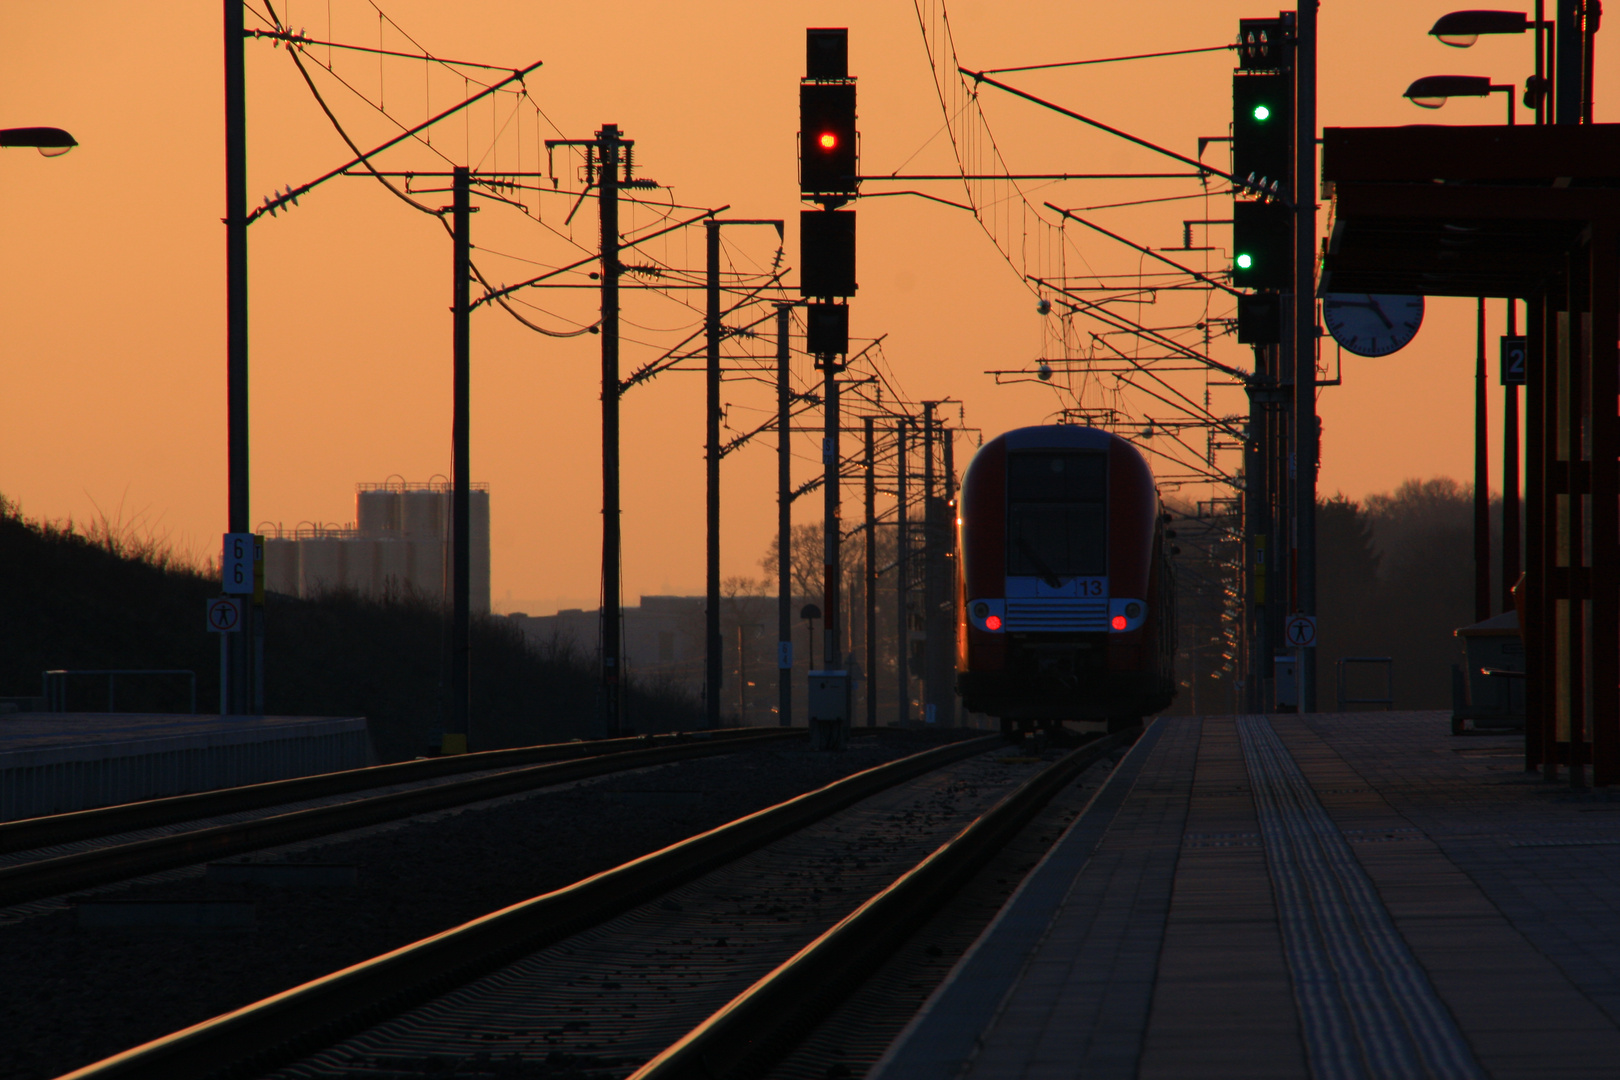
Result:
[1057,514]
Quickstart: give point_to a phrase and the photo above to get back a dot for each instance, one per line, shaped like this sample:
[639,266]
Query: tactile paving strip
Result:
[1366,1006]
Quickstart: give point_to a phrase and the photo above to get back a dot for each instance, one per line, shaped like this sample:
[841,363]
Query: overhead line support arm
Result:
[507,290]
[292,194]
[1144,250]
[981,77]
[1120,322]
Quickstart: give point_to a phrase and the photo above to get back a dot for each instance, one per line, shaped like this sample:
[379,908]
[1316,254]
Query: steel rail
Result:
[278,1028]
[763,1023]
[37,832]
[99,866]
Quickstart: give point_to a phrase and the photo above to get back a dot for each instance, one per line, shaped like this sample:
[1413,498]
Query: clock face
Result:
[1372,324]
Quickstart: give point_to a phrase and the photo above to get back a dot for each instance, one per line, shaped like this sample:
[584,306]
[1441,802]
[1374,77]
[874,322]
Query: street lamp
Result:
[1433,91]
[1460,29]
[49,141]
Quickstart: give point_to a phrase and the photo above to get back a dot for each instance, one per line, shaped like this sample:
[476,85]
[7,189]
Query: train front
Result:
[1064,595]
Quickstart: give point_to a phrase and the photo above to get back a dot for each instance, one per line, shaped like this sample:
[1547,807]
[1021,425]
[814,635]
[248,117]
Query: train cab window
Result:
[1057,513]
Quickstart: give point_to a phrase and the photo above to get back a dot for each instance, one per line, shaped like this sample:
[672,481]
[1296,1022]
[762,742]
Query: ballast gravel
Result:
[70,996]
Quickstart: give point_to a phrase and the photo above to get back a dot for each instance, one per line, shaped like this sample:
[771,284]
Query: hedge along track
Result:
[52,876]
[258,1037]
[760,1026]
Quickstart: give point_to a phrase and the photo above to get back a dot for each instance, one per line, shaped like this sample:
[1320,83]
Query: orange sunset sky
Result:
[112,257]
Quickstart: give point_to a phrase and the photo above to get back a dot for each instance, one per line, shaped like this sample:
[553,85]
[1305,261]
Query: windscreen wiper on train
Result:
[1040,564]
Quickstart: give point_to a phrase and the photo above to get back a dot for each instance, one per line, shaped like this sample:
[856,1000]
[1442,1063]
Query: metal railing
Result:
[55,684]
[1387,701]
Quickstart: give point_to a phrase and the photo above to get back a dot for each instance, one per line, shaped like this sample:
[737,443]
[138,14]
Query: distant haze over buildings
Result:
[510,605]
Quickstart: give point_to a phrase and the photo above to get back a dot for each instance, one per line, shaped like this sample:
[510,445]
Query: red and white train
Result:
[1065,594]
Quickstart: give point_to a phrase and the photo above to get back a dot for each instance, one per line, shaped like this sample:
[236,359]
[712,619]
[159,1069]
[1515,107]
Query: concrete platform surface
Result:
[1360,896]
[52,763]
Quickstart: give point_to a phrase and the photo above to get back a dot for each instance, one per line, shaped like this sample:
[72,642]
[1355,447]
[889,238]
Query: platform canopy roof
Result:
[1462,211]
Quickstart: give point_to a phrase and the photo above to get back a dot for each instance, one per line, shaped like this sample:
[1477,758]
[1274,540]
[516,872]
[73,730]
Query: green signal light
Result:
[1262,112]
[1245,261]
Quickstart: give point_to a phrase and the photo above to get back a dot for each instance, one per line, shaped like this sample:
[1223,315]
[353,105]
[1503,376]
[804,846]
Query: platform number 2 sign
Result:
[1513,355]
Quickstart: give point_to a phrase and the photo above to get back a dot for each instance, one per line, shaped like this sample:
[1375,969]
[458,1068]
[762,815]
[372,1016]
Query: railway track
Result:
[754,1031]
[61,853]
[599,977]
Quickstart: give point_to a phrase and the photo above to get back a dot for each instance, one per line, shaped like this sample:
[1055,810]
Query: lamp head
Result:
[49,141]
[1461,29]
[1432,91]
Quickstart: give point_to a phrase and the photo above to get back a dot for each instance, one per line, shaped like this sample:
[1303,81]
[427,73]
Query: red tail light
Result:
[1119,622]
[993,623]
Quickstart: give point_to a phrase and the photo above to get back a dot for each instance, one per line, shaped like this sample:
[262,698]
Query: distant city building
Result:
[397,546]
[663,645]
[663,637]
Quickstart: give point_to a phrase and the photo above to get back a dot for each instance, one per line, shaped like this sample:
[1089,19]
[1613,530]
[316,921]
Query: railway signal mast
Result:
[829,175]
[1273,243]
[1307,435]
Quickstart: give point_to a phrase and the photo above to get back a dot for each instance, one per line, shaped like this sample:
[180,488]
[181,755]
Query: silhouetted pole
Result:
[742,678]
[1482,488]
[1283,569]
[455,736]
[1591,12]
[236,320]
[871,575]
[1255,504]
[1568,50]
[902,571]
[1510,474]
[1305,422]
[784,526]
[711,625]
[607,149]
[830,522]
[947,619]
[930,671]
[713,669]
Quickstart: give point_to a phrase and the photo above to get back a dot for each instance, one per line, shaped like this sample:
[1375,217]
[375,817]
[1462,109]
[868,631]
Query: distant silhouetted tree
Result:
[1347,603]
[1395,577]
[806,562]
[1424,536]
[113,595]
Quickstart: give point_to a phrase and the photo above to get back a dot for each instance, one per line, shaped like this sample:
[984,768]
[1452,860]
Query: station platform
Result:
[52,763]
[1358,895]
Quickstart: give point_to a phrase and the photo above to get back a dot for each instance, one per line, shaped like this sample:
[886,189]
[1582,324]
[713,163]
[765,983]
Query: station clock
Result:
[1372,324]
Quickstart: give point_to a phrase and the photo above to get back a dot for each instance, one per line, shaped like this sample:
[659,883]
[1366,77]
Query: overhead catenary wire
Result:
[750,277]
[1110,59]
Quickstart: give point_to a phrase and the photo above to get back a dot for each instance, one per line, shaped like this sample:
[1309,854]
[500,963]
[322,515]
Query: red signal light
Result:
[993,623]
[827,139]
[1120,622]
